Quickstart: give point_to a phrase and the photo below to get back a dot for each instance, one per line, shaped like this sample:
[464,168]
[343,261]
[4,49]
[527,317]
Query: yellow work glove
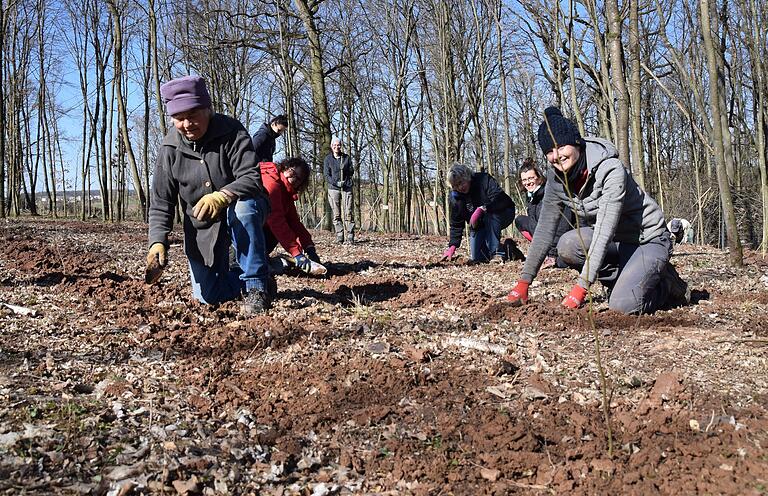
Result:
[156,260]
[210,206]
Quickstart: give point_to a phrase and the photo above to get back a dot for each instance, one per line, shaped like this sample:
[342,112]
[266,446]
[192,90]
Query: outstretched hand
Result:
[303,263]
[575,298]
[449,253]
[519,294]
[157,258]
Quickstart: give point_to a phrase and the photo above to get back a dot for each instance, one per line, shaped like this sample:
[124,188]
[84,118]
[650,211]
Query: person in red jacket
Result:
[284,182]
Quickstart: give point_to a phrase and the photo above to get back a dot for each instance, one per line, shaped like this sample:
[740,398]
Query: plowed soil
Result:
[392,374]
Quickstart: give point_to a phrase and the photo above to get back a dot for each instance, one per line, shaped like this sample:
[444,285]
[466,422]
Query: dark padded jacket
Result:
[484,191]
[533,210]
[338,169]
[264,143]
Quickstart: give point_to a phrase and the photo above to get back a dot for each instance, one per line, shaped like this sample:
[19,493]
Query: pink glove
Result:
[477,215]
[576,297]
[519,294]
[449,252]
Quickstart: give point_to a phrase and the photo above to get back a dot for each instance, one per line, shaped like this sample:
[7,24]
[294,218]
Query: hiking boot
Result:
[497,259]
[678,292]
[255,302]
[271,287]
[512,251]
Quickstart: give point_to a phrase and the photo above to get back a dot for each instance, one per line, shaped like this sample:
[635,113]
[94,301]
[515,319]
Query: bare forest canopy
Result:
[410,86]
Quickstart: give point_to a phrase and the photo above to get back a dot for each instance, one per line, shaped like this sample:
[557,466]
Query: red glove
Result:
[576,297]
[527,235]
[449,252]
[477,216]
[519,294]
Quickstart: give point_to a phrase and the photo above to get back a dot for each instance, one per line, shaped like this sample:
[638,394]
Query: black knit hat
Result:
[556,130]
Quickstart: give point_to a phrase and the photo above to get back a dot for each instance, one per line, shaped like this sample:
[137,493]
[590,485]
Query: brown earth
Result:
[393,374]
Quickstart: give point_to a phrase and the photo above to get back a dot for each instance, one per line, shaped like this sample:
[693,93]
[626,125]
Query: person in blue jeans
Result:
[207,161]
[478,200]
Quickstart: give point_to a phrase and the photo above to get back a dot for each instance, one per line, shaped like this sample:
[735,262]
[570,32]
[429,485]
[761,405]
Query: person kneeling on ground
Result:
[681,229]
[533,181]
[284,183]
[621,238]
[477,199]
[207,161]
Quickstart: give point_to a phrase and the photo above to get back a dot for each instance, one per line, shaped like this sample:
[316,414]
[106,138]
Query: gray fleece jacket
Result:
[610,202]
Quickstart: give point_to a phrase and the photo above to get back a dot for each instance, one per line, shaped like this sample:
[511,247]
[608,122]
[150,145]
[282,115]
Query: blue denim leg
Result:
[216,283]
[484,242]
[246,223]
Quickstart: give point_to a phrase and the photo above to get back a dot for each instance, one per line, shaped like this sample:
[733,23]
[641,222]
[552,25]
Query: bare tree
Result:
[619,81]
[726,199]
[635,93]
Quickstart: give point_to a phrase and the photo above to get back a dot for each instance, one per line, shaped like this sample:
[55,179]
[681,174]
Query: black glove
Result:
[312,254]
[303,263]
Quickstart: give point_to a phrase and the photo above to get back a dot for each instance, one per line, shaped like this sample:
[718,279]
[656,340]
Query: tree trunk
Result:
[508,182]
[121,110]
[618,79]
[635,93]
[729,216]
[572,53]
[153,48]
[316,75]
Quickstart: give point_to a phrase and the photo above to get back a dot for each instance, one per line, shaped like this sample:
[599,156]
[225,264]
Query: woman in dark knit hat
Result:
[620,239]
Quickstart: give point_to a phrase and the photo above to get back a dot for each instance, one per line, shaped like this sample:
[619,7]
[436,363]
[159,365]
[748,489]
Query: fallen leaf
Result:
[490,474]
[187,486]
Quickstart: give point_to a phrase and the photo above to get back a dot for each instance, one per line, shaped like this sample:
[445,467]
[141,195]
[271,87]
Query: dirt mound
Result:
[392,374]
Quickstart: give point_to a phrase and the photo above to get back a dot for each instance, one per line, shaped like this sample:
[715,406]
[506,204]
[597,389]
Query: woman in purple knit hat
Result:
[207,161]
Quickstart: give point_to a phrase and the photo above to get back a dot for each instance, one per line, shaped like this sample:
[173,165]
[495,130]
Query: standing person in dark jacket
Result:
[264,141]
[207,161]
[337,169]
[477,199]
[533,181]
[621,237]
